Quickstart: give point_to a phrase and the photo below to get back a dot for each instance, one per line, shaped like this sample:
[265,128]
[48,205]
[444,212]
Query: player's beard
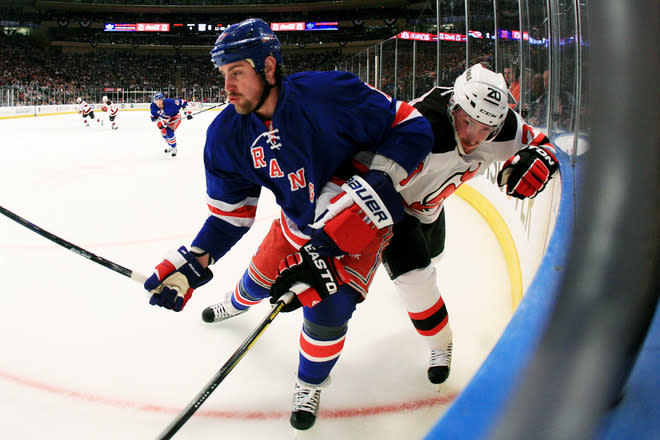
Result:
[244,106]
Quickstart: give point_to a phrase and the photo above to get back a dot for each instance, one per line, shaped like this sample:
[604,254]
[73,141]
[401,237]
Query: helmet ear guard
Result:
[483,95]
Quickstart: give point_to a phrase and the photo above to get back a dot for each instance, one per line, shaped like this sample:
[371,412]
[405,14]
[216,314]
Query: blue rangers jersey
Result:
[321,120]
[170,109]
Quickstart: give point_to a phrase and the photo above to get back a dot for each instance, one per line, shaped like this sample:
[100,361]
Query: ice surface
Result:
[85,357]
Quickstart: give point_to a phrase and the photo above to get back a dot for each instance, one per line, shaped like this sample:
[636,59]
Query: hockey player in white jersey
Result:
[112,110]
[87,111]
[473,127]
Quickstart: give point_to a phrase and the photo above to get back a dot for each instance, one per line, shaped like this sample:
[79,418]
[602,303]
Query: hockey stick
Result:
[205,110]
[140,278]
[201,397]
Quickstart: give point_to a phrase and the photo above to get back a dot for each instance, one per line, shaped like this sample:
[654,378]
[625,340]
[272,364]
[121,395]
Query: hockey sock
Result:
[318,356]
[247,293]
[426,308]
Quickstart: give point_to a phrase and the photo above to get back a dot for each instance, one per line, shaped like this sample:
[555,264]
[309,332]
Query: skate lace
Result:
[306,399]
[441,357]
[220,311]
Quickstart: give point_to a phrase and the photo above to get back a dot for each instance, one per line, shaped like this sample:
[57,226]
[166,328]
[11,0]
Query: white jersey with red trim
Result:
[111,108]
[85,108]
[445,169]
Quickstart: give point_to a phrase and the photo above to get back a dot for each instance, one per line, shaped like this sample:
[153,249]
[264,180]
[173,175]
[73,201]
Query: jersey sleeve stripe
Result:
[240,214]
[404,112]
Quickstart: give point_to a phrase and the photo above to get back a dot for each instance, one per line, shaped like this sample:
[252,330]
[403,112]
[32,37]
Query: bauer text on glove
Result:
[354,216]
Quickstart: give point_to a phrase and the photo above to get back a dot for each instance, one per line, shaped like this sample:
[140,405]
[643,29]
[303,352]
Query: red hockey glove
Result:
[527,173]
[353,218]
[162,127]
[310,276]
[175,278]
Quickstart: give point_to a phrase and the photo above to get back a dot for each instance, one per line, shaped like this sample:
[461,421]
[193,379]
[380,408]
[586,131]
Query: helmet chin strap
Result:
[264,94]
[459,144]
[450,112]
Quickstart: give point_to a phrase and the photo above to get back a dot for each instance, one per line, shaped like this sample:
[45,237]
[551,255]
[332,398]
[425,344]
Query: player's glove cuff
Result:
[175,278]
[527,173]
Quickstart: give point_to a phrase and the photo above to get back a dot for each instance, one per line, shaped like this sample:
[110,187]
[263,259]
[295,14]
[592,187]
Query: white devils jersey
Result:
[113,108]
[85,108]
[445,169]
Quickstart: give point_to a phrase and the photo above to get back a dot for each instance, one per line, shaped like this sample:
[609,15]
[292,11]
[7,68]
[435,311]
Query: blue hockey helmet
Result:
[158,95]
[251,39]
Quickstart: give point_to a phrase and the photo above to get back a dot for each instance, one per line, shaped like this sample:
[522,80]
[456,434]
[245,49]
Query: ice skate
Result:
[173,151]
[221,311]
[306,402]
[439,365]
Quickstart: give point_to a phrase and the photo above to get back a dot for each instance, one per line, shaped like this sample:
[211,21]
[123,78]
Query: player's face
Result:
[159,103]
[243,85]
[471,133]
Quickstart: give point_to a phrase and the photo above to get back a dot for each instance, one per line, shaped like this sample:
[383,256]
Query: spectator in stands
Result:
[511,77]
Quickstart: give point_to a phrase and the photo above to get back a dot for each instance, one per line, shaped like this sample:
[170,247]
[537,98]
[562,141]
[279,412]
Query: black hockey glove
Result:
[527,172]
[310,276]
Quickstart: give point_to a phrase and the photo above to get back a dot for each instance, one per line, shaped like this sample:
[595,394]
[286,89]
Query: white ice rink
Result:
[84,356]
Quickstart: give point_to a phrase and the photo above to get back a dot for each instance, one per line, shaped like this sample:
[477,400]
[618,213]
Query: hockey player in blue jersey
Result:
[165,113]
[293,135]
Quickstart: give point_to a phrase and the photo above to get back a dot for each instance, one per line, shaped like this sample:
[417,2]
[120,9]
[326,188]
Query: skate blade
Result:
[307,434]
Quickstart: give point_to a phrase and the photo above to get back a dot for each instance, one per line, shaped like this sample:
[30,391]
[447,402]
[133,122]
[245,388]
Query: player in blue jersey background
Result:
[297,135]
[166,114]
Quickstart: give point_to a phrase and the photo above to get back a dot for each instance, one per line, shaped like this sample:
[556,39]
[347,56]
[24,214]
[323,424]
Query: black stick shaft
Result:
[73,248]
[201,397]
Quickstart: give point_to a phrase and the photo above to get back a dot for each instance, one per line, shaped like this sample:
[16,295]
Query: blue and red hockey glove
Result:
[175,278]
[162,127]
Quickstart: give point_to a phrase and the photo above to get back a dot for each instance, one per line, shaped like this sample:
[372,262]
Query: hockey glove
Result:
[354,216]
[162,127]
[189,115]
[175,278]
[528,172]
[309,275]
